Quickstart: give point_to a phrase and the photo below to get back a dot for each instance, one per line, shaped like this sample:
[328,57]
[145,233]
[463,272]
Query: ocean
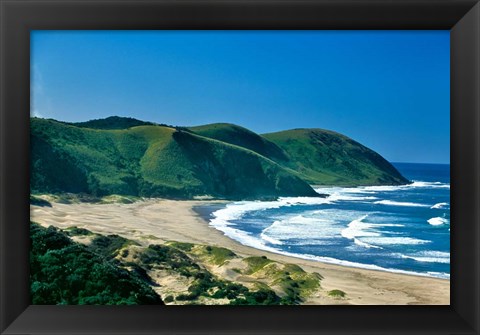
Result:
[402,229]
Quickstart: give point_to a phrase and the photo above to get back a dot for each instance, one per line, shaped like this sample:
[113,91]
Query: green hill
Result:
[329,158]
[317,156]
[242,137]
[153,161]
[131,157]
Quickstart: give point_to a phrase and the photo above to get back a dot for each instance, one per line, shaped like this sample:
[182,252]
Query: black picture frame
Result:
[18,17]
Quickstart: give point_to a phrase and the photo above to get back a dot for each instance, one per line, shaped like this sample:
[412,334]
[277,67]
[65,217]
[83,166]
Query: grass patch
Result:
[75,231]
[166,257]
[208,253]
[110,246]
[296,283]
[256,263]
[119,199]
[337,294]
[218,255]
[184,246]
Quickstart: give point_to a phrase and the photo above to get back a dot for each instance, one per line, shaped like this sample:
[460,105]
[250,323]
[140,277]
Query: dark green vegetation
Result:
[112,270]
[241,137]
[65,272]
[135,158]
[211,254]
[153,161]
[337,294]
[112,122]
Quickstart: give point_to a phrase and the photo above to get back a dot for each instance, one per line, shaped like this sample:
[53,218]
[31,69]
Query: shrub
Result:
[337,294]
[168,298]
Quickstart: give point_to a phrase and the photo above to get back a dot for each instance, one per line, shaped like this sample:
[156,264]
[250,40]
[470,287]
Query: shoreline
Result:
[205,211]
[157,220]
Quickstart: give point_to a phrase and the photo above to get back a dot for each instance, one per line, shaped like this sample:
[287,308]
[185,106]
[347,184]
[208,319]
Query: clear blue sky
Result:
[389,90]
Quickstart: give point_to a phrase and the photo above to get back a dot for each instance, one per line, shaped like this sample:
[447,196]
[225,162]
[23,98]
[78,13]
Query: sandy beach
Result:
[158,220]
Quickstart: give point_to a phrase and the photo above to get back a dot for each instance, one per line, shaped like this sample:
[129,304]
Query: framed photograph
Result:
[251,167]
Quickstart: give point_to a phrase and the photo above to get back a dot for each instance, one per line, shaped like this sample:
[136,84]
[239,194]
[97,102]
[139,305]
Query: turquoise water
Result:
[393,228]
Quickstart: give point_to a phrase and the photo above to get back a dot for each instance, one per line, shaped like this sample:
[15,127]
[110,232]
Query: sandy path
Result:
[157,220]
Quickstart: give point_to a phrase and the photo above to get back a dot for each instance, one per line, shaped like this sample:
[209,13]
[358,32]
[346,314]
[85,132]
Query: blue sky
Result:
[389,90]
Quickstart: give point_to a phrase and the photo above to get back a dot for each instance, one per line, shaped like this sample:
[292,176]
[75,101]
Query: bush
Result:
[260,297]
[337,294]
[75,231]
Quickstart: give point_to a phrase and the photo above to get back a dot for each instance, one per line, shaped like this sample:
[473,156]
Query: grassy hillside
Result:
[242,137]
[317,156]
[130,157]
[151,160]
[329,158]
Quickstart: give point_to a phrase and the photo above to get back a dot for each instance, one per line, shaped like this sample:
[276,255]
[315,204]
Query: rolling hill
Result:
[236,135]
[329,158]
[131,157]
[152,161]
[320,157]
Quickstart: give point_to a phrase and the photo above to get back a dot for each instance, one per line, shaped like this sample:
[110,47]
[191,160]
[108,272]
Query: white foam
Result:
[440,205]
[264,235]
[271,240]
[384,188]
[291,201]
[429,257]
[384,240]
[442,275]
[249,240]
[357,228]
[245,238]
[414,184]
[345,194]
[237,210]
[398,203]
[425,184]
[342,197]
[322,225]
[307,229]
[437,221]
[357,190]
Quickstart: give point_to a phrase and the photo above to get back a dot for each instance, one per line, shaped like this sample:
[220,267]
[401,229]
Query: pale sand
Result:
[158,220]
